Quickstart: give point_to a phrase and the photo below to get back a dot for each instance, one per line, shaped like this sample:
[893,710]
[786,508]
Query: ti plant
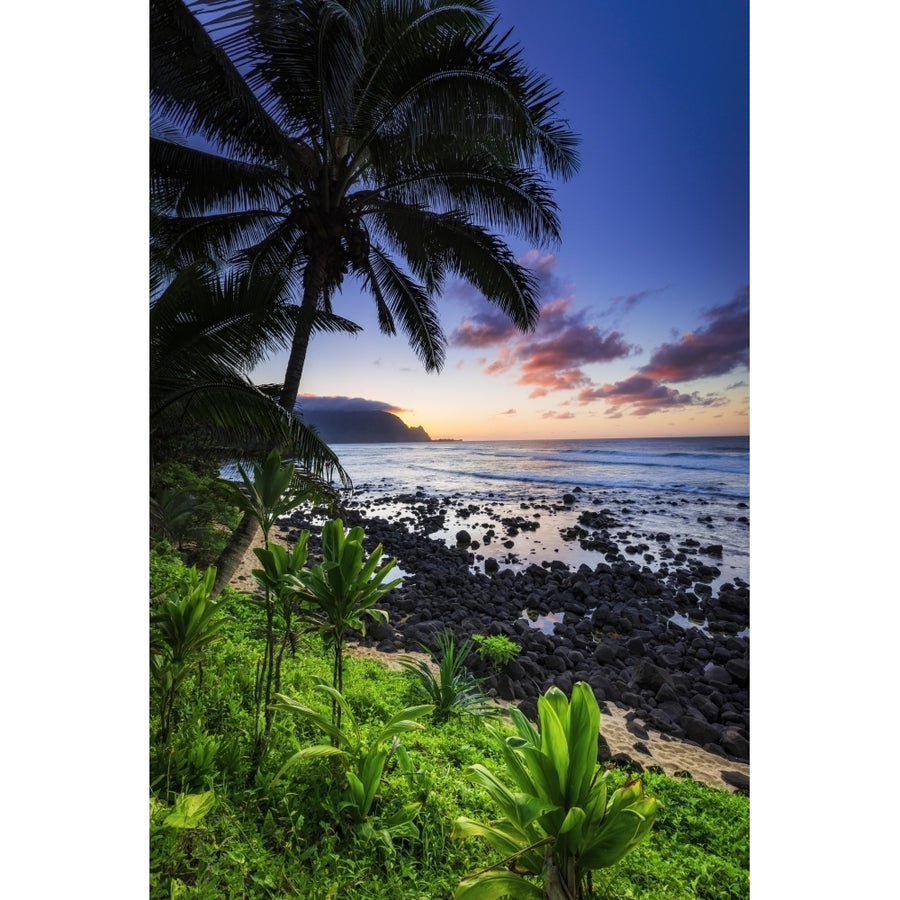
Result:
[269,491]
[559,819]
[277,563]
[180,629]
[341,591]
[363,763]
[274,489]
[449,686]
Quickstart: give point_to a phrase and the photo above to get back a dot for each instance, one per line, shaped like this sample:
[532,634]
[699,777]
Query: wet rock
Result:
[648,675]
[718,676]
[735,744]
[615,635]
[699,731]
[739,669]
[624,761]
[738,780]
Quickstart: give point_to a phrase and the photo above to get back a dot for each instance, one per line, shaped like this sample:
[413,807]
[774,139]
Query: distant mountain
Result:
[369,426]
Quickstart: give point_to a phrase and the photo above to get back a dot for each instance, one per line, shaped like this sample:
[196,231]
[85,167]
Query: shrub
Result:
[180,630]
[363,762]
[452,689]
[341,592]
[496,649]
[559,820]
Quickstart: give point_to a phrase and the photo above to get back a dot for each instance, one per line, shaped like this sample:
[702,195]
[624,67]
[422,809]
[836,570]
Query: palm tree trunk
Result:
[235,550]
[244,534]
[313,286]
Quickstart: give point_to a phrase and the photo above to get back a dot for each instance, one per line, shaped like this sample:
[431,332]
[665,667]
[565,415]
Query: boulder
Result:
[648,675]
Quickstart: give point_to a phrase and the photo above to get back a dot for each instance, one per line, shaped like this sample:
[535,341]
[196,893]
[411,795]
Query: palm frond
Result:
[397,140]
[194,182]
[225,112]
[454,244]
[184,239]
[501,197]
[411,305]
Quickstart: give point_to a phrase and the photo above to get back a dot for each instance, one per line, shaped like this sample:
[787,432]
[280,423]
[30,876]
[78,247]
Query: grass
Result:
[289,840]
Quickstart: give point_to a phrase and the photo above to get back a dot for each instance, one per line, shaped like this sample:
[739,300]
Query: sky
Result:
[644,328]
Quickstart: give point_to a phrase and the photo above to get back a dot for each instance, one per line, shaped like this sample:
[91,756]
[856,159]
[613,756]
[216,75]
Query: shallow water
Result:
[693,489]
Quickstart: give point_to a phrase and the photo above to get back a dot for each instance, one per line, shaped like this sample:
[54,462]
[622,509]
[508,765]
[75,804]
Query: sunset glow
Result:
[645,324]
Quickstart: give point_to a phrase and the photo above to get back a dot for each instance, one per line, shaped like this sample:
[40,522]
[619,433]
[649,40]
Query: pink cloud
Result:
[716,349]
[719,348]
[551,357]
[646,395]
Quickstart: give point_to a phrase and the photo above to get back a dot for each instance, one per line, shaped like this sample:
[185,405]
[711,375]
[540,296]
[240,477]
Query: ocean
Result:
[694,489]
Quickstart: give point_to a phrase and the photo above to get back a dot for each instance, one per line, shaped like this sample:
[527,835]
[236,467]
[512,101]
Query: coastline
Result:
[631,730]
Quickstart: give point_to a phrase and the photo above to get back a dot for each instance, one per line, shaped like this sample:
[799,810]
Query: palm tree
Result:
[207,331]
[391,140]
[395,141]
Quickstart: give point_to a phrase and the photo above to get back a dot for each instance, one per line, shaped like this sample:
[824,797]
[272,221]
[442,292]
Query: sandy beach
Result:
[644,745]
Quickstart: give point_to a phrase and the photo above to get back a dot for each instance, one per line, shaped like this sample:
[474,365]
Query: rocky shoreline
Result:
[616,632]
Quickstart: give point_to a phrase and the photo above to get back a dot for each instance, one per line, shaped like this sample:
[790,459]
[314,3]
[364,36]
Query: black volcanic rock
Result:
[363,426]
[677,679]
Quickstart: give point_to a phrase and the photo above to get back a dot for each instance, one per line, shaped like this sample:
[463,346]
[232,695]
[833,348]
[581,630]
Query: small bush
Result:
[496,649]
[452,688]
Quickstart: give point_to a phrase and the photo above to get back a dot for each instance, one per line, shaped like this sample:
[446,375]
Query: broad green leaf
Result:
[583,735]
[319,750]
[520,808]
[502,836]
[574,819]
[370,775]
[493,885]
[527,731]
[595,808]
[516,769]
[358,796]
[338,698]
[350,563]
[403,816]
[545,775]
[287,704]
[618,835]
[553,698]
[631,792]
[190,809]
[406,717]
[554,742]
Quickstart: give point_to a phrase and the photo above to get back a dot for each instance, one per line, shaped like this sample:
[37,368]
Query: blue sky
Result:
[654,259]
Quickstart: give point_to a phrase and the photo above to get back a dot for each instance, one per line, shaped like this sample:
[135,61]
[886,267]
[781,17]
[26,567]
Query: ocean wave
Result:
[738,463]
[600,480]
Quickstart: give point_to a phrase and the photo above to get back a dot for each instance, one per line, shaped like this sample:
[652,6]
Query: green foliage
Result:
[277,564]
[559,820]
[190,810]
[292,838]
[451,688]
[363,762]
[700,846]
[180,629]
[288,839]
[496,649]
[268,491]
[190,508]
[341,592]
[208,330]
